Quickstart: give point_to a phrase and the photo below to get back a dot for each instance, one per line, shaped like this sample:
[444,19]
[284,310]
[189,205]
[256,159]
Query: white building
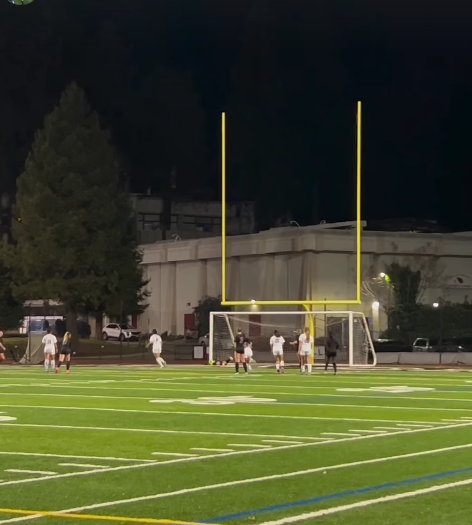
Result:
[188,219]
[314,262]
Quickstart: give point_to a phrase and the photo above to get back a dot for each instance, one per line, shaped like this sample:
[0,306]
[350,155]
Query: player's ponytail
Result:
[66,338]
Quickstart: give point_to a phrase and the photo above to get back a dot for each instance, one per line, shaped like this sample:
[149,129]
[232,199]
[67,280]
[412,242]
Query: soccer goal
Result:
[350,330]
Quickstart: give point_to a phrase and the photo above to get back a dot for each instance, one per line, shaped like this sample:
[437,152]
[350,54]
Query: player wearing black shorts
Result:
[239,351]
[65,353]
[331,349]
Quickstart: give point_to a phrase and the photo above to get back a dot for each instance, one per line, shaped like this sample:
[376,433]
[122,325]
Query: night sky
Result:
[288,74]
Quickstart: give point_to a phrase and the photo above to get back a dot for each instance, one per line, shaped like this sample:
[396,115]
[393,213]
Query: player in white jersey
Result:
[2,349]
[248,353]
[50,350]
[277,346]
[156,341]
[305,346]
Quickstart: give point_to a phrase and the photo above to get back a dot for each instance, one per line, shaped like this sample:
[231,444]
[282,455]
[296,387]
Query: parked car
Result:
[425,344]
[465,344]
[122,332]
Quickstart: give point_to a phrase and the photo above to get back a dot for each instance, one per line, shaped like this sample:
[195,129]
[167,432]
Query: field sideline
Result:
[136,444]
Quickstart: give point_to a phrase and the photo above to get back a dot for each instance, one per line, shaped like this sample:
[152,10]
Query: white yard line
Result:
[23,471]
[367,395]
[106,458]
[237,453]
[283,442]
[155,431]
[335,434]
[203,449]
[418,425]
[369,431]
[174,454]
[82,465]
[270,416]
[367,503]
[248,445]
[231,484]
[391,428]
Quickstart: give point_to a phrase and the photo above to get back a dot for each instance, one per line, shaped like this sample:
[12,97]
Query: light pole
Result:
[439,305]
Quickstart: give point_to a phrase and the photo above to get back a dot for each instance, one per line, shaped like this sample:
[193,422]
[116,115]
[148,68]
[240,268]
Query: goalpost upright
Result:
[307,304]
[301,302]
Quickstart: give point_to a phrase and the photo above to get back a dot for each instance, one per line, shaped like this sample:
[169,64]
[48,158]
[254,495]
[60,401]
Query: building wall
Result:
[189,219]
[297,263]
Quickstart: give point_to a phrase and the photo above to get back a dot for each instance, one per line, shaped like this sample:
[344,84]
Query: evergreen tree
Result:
[76,239]
[11,309]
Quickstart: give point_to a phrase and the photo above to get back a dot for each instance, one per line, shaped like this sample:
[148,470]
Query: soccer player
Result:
[296,343]
[65,353]
[331,348]
[248,353]
[2,349]
[156,342]
[50,350]
[277,347]
[239,351]
[306,342]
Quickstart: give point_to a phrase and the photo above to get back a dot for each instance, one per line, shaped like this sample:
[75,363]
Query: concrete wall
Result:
[297,263]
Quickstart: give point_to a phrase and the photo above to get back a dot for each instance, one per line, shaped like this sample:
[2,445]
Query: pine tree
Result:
[11,309]
[76,239]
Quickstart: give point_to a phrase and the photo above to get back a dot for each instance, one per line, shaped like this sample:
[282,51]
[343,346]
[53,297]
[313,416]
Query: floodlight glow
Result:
[436,305]
[375,305]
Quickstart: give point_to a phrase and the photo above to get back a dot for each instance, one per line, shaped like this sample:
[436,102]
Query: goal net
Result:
[350,330]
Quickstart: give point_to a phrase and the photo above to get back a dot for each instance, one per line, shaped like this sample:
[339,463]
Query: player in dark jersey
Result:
[331,349]
[239,351]
[2,349]
[295,343]
[65,353]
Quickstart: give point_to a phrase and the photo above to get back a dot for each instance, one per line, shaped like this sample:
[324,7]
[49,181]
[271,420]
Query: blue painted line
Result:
[336,495]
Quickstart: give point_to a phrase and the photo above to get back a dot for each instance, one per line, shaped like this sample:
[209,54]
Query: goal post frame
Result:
[346,302]
[311,313]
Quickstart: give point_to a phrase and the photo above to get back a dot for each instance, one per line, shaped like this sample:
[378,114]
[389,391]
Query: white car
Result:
[122,332]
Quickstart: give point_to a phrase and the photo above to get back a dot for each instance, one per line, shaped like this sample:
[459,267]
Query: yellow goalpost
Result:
[305,303]
[301,302]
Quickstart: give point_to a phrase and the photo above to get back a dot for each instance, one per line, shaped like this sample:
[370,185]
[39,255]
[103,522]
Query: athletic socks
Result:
[282,364]
[309,369]
[335,366]
[46,365]
[277,366]
[237,367]
[249,367]
[245,367]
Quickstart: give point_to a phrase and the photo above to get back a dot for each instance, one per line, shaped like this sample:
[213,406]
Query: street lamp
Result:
[382,275]
[435,305]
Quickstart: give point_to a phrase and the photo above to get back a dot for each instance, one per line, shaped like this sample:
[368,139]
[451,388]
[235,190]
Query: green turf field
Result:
[201,445]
